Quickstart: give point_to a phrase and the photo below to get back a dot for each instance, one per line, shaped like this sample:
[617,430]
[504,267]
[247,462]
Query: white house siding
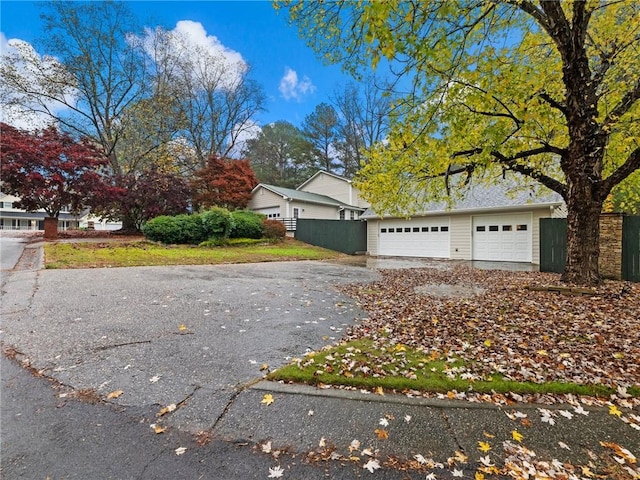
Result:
[331,187]
[264,199]
[373,231]
[311,210]
[460,237]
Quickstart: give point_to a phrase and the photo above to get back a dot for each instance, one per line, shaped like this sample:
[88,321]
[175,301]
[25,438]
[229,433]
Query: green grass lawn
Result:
[103,254]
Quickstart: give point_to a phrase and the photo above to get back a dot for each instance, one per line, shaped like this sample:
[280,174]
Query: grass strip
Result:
[361,364]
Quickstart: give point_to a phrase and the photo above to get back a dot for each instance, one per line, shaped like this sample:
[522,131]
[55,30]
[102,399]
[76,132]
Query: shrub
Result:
[191,227]
[162,229]
[217,222]
[177,229]
[246,224]
[273,229]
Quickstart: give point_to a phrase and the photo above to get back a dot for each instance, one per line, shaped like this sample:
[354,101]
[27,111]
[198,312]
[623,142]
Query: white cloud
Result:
[23,60]
[244,133]
[204,56]
[291,88]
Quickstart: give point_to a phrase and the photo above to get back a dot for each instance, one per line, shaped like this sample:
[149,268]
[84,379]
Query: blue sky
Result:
[252,29]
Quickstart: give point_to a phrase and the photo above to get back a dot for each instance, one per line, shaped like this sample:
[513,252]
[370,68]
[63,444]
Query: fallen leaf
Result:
[167,409]
[267,399]
[158,428]
[382,434]
[264,367]
[461,457]
[182,327]
[266,447]
[488,435]
[484,447]
[154,379]
[613,410]
[517,436]
[114,394]
[355,445]
[180,450]
[564,445]
[479,476]
[372,465]
[457,473]
[276,472]
[622,452]
[379,391]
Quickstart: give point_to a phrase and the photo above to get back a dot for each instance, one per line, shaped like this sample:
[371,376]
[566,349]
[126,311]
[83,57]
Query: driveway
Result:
[189,336]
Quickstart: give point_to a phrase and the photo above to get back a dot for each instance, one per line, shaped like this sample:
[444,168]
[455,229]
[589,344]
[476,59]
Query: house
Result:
[12,218]
[323,196]
[489,223]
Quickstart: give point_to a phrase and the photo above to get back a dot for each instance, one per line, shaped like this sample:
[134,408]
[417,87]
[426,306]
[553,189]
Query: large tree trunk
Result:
[583,239]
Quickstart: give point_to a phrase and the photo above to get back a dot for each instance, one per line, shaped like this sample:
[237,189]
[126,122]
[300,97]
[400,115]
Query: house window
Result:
[383,230]
[522,228]
[444,229]
[480,228]
[506,228]
[407,229]
[296,212]
[352,215]
[434,229]
[391,230]
[342,215]
[425,229]
[493,228]
[416,229]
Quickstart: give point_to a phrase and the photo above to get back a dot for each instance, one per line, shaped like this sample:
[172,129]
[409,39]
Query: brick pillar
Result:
[50,228]
[610,262]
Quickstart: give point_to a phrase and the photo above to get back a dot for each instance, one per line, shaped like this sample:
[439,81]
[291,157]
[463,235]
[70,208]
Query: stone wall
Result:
[610,263]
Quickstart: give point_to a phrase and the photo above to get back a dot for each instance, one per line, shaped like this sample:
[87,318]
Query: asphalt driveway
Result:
[189,336]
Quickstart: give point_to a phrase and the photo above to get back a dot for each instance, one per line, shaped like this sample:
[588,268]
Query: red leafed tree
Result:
[224,183]
[146,195]
[50,170]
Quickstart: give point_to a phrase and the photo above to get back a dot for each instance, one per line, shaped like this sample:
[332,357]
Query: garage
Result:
[415,238]
[504,238]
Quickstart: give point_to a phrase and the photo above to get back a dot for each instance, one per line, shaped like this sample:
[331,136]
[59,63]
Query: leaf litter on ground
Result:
[524,335]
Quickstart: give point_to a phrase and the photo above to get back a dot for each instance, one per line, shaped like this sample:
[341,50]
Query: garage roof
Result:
[503,196]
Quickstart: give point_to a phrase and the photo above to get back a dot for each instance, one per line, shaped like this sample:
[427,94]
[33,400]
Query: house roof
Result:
[324,172]
[487,197]
[289,193]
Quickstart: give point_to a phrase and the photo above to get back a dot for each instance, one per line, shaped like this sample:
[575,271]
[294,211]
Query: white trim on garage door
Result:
[420,237]
[503,238]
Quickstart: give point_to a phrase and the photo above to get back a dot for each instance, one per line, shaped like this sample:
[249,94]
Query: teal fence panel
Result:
[631,248]
[346,236]
[553,244]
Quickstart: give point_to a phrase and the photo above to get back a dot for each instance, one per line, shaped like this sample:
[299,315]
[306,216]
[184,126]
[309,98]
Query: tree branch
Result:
[622,172]
[511,163]
[623,106]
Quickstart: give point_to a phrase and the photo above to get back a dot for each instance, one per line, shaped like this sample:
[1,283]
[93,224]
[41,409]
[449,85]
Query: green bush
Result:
[217,222]
[192,228]
[246,224]
[178,229]
[162,229]
[273,229]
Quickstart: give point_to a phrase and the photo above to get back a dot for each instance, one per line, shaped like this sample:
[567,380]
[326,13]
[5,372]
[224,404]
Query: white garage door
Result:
[415,238]
[271,212]
[505,238]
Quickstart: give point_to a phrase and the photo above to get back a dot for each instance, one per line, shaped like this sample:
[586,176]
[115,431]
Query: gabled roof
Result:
[487,197]
[324,172]
[290,194]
